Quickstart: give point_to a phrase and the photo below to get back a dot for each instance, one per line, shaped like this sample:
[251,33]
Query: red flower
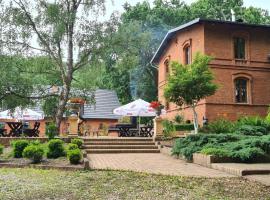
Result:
[155,105]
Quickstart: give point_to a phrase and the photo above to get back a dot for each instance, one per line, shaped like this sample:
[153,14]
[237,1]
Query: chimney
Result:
[233,15]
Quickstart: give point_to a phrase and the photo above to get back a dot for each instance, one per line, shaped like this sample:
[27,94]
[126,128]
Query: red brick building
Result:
[241,66]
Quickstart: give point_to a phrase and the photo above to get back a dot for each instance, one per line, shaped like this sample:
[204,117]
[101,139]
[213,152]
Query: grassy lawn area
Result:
[50,184]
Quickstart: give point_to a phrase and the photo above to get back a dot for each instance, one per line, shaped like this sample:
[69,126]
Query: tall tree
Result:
[189,84]
[66,31]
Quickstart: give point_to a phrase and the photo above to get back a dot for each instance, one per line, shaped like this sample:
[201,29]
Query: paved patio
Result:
[152,163]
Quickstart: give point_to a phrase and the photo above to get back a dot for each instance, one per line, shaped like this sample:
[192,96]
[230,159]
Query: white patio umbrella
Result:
[138,108]
[21,114]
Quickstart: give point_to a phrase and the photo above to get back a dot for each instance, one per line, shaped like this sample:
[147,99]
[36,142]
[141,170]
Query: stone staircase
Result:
[120,145]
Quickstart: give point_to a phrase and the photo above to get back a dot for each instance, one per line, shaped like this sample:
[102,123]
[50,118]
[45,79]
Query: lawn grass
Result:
[52,184]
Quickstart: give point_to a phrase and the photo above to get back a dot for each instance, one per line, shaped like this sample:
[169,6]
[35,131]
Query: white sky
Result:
[118,4]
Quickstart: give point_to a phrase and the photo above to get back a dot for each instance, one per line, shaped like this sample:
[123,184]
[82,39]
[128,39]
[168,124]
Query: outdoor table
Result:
[127,130]
[15,129]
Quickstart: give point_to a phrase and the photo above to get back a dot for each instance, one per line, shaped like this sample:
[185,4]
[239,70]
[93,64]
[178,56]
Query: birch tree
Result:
[68,32]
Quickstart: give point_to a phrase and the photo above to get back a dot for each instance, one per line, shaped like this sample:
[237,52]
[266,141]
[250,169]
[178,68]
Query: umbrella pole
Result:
[139,126]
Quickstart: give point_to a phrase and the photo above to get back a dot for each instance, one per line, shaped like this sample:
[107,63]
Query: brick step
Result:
[92,151]
[118,143]
[88,147]
[118,139]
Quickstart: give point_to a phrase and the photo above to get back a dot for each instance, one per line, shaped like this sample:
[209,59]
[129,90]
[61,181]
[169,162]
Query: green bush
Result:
[179,119]
[35,142]
[251,130]
[248,154]
[51,131]
[18,147]
[221,126]
[195,143]
[74,156]
[184,127]
[253,121]
[77,141]
[56,148]
[34,152]
[72,146]
[1,149]
[216,152]
[168,128]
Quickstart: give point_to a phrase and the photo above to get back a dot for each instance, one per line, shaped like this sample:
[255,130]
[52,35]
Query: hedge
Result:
[184,127]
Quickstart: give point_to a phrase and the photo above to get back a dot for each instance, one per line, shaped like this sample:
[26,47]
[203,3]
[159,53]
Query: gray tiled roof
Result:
[106,102]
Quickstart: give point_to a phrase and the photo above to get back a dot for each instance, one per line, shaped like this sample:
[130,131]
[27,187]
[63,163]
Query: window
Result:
[167,68]
[187,55]
[241,87]
[239,48]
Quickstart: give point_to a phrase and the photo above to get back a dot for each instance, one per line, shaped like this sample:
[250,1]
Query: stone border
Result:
[210,160]
[38,166]
[207,160]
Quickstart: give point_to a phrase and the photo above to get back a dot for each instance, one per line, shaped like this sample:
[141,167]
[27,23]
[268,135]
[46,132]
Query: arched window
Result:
[187,55]
[241,90]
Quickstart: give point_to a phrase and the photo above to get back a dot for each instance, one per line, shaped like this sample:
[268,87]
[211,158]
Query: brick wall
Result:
[216,40]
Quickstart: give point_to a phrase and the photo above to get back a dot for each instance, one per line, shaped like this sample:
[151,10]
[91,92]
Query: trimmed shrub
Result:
[248,154]
[77,141]
[34,152]
[1,149]
[184,127]
[18,147]
[221,126]
[72,147]
[74,156]
[216,152]
[35,142]
[51,131]
[55,148]
[251,130]
[195,143]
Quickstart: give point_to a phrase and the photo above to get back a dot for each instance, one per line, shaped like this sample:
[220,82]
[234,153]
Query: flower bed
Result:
[51,155]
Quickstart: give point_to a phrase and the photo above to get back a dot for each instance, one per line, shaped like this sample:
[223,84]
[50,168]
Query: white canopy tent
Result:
[21,114]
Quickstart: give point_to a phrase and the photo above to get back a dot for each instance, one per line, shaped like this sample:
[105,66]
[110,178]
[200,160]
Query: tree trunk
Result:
[62,104]
[195,116]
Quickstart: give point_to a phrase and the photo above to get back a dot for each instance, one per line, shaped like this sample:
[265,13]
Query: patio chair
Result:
[32,132]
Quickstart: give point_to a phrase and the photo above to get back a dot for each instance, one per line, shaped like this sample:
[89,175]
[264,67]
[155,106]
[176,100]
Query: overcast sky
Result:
[117,5]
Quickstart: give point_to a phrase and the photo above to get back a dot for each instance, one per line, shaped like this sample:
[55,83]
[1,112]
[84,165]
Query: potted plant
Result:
[74,105]
[157,106]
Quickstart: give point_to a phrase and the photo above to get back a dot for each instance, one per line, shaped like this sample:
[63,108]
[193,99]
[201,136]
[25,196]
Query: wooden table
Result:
[15,129]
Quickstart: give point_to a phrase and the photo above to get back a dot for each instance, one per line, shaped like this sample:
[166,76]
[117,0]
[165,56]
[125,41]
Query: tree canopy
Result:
[188,84]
